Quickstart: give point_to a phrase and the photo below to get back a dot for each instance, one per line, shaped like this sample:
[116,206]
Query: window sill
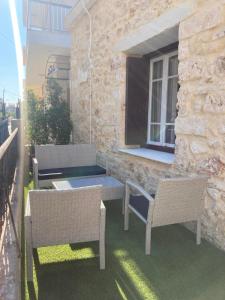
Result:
[159,156]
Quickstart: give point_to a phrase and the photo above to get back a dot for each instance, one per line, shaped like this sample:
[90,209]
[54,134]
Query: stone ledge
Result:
[159,156]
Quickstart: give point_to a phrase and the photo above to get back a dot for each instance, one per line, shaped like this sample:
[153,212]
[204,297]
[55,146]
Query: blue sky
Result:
[8,66]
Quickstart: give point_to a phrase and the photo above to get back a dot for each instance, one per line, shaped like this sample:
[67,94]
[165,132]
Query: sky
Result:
[8,65]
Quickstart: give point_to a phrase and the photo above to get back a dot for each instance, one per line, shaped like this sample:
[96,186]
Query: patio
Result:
[176,269]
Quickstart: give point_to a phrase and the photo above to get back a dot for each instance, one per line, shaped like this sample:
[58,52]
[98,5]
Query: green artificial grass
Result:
[176,270]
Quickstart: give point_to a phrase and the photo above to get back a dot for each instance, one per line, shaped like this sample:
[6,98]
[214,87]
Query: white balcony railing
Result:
[47,16]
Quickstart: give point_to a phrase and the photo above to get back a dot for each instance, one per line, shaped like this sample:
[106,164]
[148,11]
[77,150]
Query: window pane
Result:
[172,100]
[170,134]
[156,101]
[157,69]
[155,133]
[173,65]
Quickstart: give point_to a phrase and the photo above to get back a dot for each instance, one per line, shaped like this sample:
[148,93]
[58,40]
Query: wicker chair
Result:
[177,200]
[57,162]
[63,217]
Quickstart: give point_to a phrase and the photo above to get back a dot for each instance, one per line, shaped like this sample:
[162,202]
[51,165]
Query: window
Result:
[163,87]
[151,99]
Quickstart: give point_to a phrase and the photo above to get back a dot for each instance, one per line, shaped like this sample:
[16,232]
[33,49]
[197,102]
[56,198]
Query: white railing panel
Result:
[45,16]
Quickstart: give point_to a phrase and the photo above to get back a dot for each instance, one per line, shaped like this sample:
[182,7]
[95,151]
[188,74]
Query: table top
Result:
[105,181]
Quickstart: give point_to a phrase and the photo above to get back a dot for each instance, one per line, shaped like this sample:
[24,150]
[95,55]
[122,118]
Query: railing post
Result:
[8,164]
[4,132]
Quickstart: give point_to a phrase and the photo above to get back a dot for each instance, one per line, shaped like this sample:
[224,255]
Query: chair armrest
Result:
[28,229]
[140,190]
[35,171]
[35,162]
[104,166]
[102,209]
[145,194]
[102,221]
[27,211]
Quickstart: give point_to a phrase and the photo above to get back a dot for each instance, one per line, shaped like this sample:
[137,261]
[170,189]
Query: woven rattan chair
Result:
[64,217]
[57,162]
[177,200]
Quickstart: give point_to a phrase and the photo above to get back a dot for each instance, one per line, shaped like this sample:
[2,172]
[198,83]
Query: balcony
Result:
[45,16]
[46,38]
[177,268]
[45,23]
[64,254]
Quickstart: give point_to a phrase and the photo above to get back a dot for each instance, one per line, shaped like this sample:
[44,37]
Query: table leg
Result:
[123,205]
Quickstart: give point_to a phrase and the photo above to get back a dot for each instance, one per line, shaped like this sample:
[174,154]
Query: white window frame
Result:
[165,58]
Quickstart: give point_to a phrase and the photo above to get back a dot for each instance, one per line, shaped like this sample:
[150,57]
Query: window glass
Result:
[172,100]
[155,133]
[170,134]
[156,101]
[157,69]
[163,100]
[173,65]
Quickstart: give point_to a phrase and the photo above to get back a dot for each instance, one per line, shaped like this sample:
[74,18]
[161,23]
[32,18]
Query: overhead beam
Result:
[153,33]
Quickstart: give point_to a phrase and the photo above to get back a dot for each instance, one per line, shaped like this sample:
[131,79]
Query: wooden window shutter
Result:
[137,98]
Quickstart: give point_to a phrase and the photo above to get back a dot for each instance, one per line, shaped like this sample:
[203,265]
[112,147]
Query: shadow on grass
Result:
[31,290]
[94,247]
[74,280]
[177,268]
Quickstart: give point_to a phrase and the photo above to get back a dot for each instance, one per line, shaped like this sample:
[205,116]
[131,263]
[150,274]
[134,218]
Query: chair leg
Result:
[102,241]
[29,256]
[148,239]
[126,208]
[198,233]
[123,205]
[29,248]
[126,218]
[102,253]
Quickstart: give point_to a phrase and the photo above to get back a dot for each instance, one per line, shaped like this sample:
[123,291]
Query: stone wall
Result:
[201,120]
[200,126]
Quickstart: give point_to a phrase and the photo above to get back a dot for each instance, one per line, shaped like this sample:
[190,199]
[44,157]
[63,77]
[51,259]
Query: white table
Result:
[111,187]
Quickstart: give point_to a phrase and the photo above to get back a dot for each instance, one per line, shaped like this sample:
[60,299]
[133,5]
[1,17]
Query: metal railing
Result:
[4,131]
[47,16]
[8,162]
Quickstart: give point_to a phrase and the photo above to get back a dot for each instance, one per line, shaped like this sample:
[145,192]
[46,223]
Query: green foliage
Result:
[176,270]
[38,129]
[49,119]
[58,115]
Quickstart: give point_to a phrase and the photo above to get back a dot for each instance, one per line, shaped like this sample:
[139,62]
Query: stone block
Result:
[205,18]
[192,69]
[212,166]
[219,34]
[197,105]
[219,65]
[191,126]
[221,128]
[184,50]
[215,103]
[214,143]
[198,147]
